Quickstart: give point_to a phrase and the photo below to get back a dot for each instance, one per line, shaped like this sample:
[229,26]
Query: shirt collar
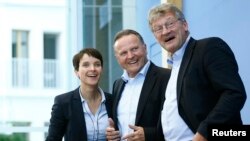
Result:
[99,89]
[177,56]
[142,72]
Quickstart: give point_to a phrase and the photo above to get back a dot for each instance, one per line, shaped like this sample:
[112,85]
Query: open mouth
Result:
[169,39]
[132,62]
[92,75]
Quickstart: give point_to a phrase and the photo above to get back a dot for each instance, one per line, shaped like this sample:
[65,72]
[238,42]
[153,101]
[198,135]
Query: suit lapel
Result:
[108,104]
[149,82]
[78,115]
[117,91]
[185,61]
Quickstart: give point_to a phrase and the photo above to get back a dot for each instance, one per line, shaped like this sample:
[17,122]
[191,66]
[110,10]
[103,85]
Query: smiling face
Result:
[173,31]
[90,69]
[131,53]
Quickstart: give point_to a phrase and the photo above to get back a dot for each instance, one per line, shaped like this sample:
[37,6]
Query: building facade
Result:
[33,70]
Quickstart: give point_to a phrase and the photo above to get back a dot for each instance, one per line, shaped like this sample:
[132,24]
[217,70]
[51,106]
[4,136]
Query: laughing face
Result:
[90,69]
[131,54]
[170,32]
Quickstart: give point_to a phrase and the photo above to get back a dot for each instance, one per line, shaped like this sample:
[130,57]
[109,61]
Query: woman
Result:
[82,114]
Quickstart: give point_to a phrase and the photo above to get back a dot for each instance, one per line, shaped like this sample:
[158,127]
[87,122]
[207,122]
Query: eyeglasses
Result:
[167,25]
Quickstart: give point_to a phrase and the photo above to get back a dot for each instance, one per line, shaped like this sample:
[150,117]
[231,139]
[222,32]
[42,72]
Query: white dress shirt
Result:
[173,126]
[128,103]
[97,123]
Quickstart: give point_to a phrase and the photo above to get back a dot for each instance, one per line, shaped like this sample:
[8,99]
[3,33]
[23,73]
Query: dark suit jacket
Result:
[209,88]
[67,117]
[150,101]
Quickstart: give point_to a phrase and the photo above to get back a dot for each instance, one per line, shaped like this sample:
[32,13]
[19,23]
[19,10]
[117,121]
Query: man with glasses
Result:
[204,88]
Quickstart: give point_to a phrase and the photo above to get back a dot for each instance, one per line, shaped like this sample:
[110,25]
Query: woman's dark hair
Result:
[91,52]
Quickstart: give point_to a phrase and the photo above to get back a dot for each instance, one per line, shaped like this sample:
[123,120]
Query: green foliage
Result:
[14,137]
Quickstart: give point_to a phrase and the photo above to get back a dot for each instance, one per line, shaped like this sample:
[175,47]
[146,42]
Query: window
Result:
[101,20]
[20,66]
[49,55]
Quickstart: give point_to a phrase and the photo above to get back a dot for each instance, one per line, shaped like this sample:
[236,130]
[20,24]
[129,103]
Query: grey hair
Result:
[160,10]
